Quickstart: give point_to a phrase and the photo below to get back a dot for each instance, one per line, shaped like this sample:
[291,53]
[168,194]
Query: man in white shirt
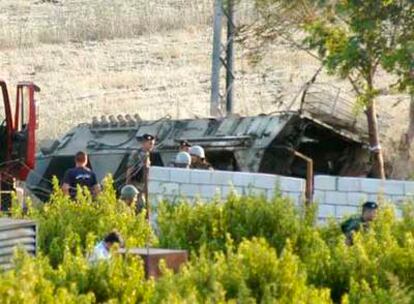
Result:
[102,250]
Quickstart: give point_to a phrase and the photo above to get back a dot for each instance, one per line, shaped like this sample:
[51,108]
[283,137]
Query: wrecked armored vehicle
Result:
[255,144]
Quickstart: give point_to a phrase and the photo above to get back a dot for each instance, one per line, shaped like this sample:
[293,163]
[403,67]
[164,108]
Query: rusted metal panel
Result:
[231,143]
[174,259]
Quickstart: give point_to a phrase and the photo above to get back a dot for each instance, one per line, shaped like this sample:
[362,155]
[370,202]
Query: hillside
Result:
[101,57]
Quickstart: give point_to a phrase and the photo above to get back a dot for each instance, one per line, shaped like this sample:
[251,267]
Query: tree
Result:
[354,39]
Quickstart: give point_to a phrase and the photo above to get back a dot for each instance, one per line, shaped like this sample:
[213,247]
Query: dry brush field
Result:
[99,57]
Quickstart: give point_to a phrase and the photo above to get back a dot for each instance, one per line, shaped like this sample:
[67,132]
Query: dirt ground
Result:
[155,66]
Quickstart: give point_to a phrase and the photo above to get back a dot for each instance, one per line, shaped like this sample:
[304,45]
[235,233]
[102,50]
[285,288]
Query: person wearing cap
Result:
[198,158]
[353,224]
[131,196]
[184,146]
[102,251]
[138,160]
[182,160]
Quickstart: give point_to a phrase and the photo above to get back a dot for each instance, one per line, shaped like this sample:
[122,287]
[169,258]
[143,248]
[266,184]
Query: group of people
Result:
[132,193]
[188,156]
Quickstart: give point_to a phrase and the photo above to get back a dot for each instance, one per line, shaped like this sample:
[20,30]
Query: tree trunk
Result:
[374,142]
[410,132]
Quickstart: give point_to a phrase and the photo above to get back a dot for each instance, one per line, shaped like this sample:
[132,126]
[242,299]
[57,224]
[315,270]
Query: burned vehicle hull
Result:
[252,144]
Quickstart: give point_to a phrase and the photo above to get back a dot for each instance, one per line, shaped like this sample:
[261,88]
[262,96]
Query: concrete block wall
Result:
[173,183]
[337,196]
[342,196]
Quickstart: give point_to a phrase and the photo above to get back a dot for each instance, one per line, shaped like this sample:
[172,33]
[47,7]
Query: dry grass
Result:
[27,23]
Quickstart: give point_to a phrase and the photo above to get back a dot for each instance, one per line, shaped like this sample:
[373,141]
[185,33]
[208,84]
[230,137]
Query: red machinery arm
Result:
[8,119]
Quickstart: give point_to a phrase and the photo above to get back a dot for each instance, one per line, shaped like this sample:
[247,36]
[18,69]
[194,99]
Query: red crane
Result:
[17,138]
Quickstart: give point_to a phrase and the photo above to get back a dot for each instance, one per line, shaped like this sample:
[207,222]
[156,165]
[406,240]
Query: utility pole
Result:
[223,55]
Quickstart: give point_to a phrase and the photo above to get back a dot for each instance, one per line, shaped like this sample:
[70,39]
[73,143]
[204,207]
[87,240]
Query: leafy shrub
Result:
[74,281]
[243,250]
[188,226]
[249,274]
[64,223]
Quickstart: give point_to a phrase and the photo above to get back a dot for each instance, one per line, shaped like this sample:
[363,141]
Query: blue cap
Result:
[370,205]
[146,136]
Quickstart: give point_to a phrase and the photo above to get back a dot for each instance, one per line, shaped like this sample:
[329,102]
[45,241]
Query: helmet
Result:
[183,158]
[129,192]
[197,151]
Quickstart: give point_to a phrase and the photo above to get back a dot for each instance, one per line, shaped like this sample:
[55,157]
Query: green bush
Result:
[64,223]
[243,250]
[187,226]
[75,281]
[249,274]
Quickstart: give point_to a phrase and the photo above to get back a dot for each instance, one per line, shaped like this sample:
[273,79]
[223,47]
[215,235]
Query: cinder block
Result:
[295,197]
[200,176]
[291,184]
[209,191]
[349,184]
[224,178]
[271,193]
[343,211]
[265,181]
[319,197]
[326,211]
[372,197]
[159,173]
[154,187]
[180,175]
[257,191]
[392,187]
[245,179]
[398,200]
[371,185]
[336,198]
[325,182]
[170,189]
[189,190]
[226,190]
[382,198]
[155,199]
[356,198]
[409,188]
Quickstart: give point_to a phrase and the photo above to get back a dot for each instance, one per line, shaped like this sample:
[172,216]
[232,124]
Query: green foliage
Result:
[74,281]
[243,250]
[249,274]
[184,226]
[66,224]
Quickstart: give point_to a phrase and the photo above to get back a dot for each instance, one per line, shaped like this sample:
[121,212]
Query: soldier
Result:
[369,212]
[184,146]
[131,196]
[138,161]
[80,175]
[182,160]
[198,158]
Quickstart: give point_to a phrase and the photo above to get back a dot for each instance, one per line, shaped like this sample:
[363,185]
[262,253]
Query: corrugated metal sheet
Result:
[15,234]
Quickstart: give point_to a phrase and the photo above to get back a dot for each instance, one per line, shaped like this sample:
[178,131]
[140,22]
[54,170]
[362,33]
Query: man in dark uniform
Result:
[133,198]
[198,159]
[184,146]
[369,212]
[80,175]
[138,161]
